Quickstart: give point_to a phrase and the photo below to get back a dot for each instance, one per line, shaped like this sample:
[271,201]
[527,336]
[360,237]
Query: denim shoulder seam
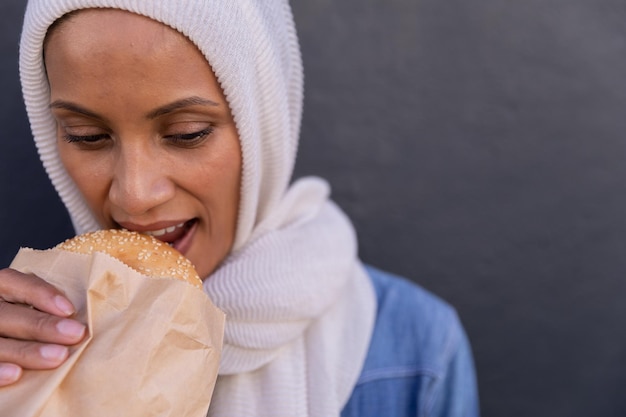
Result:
[397,372]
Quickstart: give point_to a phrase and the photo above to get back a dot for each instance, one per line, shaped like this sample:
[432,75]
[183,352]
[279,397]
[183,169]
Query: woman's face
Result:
[145,132]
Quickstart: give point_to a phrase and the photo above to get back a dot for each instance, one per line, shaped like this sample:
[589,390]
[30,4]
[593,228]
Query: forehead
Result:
[93,30]
[121,63]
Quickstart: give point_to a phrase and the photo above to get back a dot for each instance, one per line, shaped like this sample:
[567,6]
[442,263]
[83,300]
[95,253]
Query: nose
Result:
[140,182]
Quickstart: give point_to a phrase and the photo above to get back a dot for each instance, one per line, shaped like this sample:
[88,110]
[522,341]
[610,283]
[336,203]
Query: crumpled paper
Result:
[153,346]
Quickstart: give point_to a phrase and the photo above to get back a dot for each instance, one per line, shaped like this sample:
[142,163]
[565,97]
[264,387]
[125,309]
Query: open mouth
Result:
[178,236]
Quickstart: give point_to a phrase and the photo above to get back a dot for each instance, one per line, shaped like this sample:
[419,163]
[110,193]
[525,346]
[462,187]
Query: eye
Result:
[189,139]
[85,138]
[87,141]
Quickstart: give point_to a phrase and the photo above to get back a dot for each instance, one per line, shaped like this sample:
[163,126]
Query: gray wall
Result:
[478,148]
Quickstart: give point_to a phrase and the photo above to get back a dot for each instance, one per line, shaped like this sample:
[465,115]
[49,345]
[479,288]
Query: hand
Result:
[35,325]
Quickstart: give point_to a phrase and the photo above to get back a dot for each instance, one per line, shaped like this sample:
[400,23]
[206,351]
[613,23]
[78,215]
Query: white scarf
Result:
[300,308]
[295,341]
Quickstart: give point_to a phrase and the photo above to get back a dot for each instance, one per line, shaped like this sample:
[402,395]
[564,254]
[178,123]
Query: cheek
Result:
[231,175]
[72,163]
[221,190]
[218,172]
[88,174]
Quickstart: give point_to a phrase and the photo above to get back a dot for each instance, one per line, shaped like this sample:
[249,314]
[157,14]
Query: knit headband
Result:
[253,50]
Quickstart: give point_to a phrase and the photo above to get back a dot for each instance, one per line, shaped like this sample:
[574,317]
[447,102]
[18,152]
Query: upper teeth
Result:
[163,231]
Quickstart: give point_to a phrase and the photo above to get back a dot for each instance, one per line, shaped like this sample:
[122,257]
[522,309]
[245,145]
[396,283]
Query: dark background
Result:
[479,149]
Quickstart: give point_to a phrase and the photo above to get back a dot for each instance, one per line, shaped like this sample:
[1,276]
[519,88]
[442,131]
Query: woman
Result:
[181,120]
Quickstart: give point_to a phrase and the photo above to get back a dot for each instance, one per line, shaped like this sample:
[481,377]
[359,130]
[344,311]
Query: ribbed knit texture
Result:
[299,306]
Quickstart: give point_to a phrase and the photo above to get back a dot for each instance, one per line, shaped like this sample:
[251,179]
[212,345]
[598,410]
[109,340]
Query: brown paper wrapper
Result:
[153,347]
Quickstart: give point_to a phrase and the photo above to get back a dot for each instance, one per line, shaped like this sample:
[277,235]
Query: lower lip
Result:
[184,243]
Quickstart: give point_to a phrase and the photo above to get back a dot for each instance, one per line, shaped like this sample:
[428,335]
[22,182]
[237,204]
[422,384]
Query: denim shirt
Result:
[419,362]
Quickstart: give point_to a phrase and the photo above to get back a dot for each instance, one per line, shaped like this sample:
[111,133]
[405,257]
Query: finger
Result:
[32,355]
[16,287]
[21,322]
[9,373]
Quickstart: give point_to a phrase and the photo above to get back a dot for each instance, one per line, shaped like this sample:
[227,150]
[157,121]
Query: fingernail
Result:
[64,305]
[54,353]
[9,373]
[71,328]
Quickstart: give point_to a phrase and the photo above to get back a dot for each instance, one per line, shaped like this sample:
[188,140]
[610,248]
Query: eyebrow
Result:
[178,104]
[61,104]
[168,108]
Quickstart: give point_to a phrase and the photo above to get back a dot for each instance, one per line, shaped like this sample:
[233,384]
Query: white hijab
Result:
[300,308]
